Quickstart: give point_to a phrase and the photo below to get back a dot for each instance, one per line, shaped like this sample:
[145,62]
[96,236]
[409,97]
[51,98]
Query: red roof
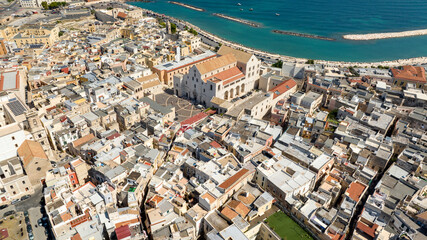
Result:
[227,76]
[123,232]
[233,179]
[366,229]
[194,119]
[210,112]
[113,136]
[283,87]
[215,144]
[4,233]
[122,15]
[355,190]
[410,73]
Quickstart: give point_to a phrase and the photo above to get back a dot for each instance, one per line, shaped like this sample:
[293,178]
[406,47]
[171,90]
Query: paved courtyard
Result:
[183,107]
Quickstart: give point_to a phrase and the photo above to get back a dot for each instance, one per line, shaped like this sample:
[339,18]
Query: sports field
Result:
[286,228]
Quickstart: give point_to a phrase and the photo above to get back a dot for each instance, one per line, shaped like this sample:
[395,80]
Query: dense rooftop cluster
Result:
[130,131]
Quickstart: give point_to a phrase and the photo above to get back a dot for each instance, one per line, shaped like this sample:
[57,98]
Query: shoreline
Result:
[304,35]
[375,36]
[187,6]
[239,20]
[290,59]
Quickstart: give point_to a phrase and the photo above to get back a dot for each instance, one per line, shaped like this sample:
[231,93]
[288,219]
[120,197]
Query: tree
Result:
[194,32]
[45,5]
[60,33]
[173,28]
[278,64]
[310,61]
[218,47]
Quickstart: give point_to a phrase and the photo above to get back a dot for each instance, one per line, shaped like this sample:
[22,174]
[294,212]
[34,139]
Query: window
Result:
[16,145]
[13,138]
[14,192]
[71,176]
[211,87]
[23,182]
[11,187]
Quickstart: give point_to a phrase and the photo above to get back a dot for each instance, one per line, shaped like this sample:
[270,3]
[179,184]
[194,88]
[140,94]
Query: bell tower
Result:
[35,127]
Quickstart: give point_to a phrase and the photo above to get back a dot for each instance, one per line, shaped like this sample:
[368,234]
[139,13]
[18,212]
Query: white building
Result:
[29,3]
[11,137]
[247,63]
[217,77]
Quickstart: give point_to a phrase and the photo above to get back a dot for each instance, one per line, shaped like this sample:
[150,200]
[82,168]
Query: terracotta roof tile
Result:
[241,56]
[410,73]
[123,232]
[226,76]
[229,213]
[194,119]
[366,229]
[83,140]
[209,197]
[355,190]
[215,144]
[216,63]
[30,150]
[283,87]
[233,179]
[239,207]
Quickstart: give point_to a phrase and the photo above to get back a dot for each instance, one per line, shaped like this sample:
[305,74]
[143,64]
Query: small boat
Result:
[277,14]
[241,9]
[239,4]
[251,9]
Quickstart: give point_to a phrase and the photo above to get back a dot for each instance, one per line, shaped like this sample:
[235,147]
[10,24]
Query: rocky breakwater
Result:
[187,6]
[374,36]
[305,35]
[239,20]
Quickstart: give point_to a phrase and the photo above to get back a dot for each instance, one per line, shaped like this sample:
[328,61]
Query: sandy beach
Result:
[373,36]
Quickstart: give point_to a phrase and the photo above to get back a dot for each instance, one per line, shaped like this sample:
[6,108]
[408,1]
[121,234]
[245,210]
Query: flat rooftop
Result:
[168,66]
[248,104]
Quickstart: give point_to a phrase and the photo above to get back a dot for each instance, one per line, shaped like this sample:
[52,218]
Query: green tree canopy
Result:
[278,64]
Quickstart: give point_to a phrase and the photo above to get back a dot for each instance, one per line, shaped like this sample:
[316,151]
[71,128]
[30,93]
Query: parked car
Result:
[16,201]
[3,207]
[40,222]
[8,213]
[25,197]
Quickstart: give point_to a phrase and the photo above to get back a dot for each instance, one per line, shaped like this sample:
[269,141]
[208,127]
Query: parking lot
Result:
[32,209]
[184,108]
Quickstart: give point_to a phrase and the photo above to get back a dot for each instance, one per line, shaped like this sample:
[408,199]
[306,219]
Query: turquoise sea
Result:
[330,18]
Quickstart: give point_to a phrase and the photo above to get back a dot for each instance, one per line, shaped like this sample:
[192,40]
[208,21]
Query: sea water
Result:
[329,18]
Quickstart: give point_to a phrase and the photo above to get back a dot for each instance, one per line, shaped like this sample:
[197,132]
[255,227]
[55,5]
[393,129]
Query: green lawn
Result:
[286,228]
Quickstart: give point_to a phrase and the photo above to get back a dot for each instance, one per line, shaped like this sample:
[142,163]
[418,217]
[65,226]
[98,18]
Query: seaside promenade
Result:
[275,57]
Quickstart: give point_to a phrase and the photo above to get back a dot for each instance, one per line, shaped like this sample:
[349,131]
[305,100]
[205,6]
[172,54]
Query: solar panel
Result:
[16,107]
